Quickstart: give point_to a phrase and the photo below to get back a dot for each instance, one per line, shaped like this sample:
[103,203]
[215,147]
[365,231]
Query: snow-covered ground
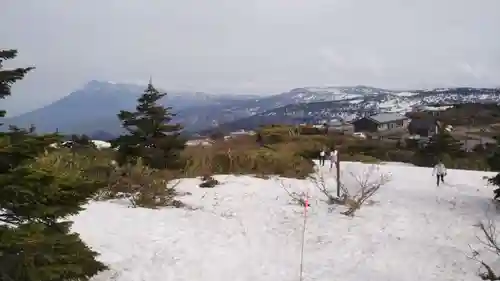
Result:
[246,229]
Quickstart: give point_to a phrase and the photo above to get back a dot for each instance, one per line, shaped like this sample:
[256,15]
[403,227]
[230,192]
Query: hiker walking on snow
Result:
[322,156]
[333,158]
[440,171]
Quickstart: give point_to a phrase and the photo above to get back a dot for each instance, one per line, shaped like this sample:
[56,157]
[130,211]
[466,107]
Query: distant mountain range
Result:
[353,106]
[92,109]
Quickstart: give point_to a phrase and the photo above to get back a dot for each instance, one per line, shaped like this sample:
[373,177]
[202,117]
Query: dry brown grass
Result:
[148,187]
[242,156]
[288,155]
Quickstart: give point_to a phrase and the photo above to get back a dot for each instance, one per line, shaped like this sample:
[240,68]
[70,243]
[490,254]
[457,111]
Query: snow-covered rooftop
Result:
[387,117]
[435,108]
[246,229]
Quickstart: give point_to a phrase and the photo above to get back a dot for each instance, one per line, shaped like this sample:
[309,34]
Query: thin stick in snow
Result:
[302,242]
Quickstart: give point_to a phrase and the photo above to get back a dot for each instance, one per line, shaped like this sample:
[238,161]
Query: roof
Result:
[387,117]
[434,108]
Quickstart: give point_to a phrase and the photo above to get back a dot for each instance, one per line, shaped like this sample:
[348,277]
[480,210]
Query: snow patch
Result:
[247,229]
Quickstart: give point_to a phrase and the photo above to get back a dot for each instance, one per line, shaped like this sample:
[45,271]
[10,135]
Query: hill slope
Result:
[246,229]
[355,106]
[94,107]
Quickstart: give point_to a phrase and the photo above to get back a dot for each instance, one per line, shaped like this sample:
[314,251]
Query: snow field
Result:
[248,229]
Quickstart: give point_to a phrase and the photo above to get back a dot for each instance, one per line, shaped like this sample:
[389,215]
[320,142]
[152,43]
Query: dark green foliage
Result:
[35,243]
[36,251]
[258,139]
[81,142]
[494,163]
[439,147]
[150,134]
[325,128]
[494,158]
[9,76]
[217,135]
[466,114]
[443,143]
[306,130]
[495,180]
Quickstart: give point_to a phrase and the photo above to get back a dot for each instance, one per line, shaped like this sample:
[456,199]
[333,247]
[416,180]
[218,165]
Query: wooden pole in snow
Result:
[337,165]
[302,242]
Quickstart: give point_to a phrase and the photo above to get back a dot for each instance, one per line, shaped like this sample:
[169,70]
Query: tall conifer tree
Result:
[35,239]
[150,133]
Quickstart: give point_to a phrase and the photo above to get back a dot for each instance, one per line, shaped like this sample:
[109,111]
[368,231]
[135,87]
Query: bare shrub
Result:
[490,243]
[298,198]
[366,185]
[355,190]
[318,180]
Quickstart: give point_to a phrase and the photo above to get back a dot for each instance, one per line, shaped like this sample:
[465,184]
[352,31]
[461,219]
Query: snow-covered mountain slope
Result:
[315,94]
[350,103]
[249,229]
[94,106]
[390,100]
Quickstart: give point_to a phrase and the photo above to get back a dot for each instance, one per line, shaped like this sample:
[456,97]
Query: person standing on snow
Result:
[439,171]
[333,157]
[322,155]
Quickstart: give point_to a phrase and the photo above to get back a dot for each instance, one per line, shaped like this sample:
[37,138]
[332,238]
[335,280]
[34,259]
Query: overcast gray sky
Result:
[250,46]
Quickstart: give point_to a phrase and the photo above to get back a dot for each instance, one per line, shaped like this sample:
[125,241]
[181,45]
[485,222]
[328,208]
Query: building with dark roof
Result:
[380,122]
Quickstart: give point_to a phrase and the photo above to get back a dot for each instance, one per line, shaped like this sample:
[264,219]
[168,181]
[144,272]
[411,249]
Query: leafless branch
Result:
[490,234]
[367,183]
[299,198]
[488,273]
[318,180]
[490,241]
[355,190]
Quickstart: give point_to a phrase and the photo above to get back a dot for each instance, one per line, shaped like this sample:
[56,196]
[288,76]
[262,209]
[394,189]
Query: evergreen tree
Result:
[82,140]
[35,239]
[79,142]
[151,136]
[494,163]
[494,158]
[444,143]
[9,76]
[325,129]
[440,146]
[216,135]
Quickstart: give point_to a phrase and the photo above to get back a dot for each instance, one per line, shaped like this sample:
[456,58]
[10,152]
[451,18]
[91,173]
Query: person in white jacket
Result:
[439,171]
[333,158]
